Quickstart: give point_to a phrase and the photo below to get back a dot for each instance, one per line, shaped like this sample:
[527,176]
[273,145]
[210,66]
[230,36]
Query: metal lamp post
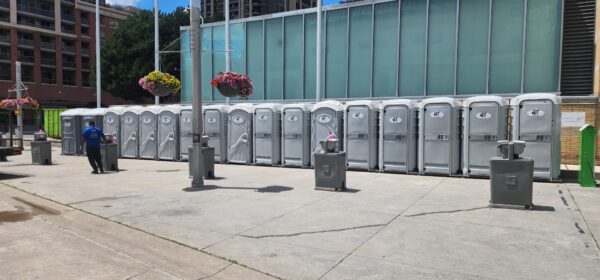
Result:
[156,45]
[227,51]
[98,68]
[197,180]
[318,55]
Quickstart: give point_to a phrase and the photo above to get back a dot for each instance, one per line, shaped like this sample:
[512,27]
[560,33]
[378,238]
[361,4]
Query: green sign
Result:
[587,154]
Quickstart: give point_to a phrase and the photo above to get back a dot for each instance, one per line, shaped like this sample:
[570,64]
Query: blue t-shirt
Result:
[92,136]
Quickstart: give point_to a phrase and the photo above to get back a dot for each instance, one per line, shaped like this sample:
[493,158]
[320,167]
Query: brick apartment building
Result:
[248,8]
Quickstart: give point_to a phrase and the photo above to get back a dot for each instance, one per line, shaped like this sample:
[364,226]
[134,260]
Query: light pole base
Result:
[197,183]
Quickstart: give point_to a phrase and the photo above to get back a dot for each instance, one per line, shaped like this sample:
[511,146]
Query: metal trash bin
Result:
[295,142]
[239,133]
[112,124]
[361,119]
[208,159]
[327,117]
[439,136]
[536,120]
[215,127]
[267,134]
[110,156]
[330,167]
[41,149]
[485,123]
[399,136]
[511,177]
[71,131]
[130,132]
[149,132]
[168,133]
[185,131]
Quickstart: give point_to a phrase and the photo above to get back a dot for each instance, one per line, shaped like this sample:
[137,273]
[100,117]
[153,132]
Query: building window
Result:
[69,78]
[27,73]
[25,55]
[48,75]
[68,61]
[5,71]
[85,63]
[48,58]
[47,43]
[85,79]
[114,23]
[5,53]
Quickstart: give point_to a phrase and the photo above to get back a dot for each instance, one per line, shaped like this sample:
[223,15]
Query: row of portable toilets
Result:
[441,136]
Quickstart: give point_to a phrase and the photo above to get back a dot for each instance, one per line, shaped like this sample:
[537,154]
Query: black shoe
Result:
[101,170]
[95,172]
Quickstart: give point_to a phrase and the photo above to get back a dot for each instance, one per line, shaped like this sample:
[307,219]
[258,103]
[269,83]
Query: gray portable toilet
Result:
[239,133]
[361,119]
[295,142]
[112,124]
[168,132]
[267,134]
[398,124]
[215,127]
[439,136]
[130,132]
[149,132]
[71,131]
[536,120]
[327,117]
[185,131]
[96,115]
[485,123]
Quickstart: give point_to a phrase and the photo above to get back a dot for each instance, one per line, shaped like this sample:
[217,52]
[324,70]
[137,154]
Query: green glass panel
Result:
[412,47]
[293,57]
[336,53]
[359,52]
[385,53]
[237,39]
[473,46]
[186,68]
[218,56]
[273,59]
[442,47]
[507,46]
[206,64]
[310,49]
[254,58]
[542,45]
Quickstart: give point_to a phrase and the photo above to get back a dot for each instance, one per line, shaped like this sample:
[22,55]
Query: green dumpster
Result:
[52,121]
[587,155]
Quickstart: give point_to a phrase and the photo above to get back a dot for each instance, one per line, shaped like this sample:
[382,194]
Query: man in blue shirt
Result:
[92,137]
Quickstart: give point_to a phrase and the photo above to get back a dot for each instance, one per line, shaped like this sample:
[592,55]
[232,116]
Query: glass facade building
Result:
[388,49]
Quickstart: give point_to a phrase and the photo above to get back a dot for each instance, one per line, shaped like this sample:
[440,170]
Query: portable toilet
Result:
[112,124]
[327,118]
[267,134]
[296,135]
[96,115]
[71,131]
[185,131]
[361,119]
[485,123]
[398,124]
[439,136]
[130,132]
[536,120]
[215,127]
[149,132]
[168,132]
[239,133]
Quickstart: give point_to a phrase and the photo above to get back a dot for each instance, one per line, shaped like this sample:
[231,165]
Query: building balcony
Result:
[85,21]
[5,4]
[26,59]
[36,24]
[25,42]
[69,49]
[68,64]
[85,52]
[46,61]
[69,2]
[5,56]
[85,67]
[67,17]
[4,39]
[51,46]
[21,8]
[67,29]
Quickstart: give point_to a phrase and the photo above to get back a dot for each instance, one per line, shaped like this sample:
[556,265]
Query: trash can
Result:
[267,134]
[399,136]
[41,149]
[112,124]
[185,131]
[130,132]
[511,177]
[361,119]
[485,123]
[439,136]
[110,156]
[208,159]
[71,131]
[536,120]
[295,142]
[326,118]
[215,127]
[239,134]
[168,132]
[330,167]
[149,132]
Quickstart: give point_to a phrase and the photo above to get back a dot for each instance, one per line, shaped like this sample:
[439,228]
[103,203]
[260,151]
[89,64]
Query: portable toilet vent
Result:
[327,117]
[215,127]
[361,119]
[267,134]
[130,132]
[239,133]
[296,135]
[399,136]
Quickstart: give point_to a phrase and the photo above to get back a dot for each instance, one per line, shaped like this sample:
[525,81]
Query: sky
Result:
[168,5]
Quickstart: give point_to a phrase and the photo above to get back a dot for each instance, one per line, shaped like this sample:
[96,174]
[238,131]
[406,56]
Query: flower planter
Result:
[161,90]
[228,91]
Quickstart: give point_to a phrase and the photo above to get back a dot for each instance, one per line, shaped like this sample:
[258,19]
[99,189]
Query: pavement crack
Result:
[447,211]
[312,232]
[216,273]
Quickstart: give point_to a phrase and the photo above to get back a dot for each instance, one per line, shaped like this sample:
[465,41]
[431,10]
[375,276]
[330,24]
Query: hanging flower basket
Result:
[231,84]
[8,104]
[160,84]
[28,103]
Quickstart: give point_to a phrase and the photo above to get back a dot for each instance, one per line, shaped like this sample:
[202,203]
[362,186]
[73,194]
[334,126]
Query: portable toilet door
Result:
[295,142]
[130,132]
[361,119]
[96,115]
[185,131]
[399,136]
[149,132]
[168,132]
[439,136]
[267,134]
[71,131]
[239,133]
[112,124]
[485,123]
[215,127]
[326,118]
[536,120]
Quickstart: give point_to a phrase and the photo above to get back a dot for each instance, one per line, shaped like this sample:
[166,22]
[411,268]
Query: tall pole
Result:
[227,50]
[318,72]
[19,107]
[98,68]
[156,46]
[197,173]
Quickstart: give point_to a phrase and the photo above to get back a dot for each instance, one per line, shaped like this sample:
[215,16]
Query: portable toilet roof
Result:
[220,107]
[133,109]
[175,109]
[406,102]
[332,104]
[535,96]
[273,106]
[500,100]
[242,106]
[373,105]
[154,109]
[118,110]
[303,106]
[96,112]
[437,100]
[73,112]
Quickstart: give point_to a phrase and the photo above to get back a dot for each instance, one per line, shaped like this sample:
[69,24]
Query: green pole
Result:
[587,154]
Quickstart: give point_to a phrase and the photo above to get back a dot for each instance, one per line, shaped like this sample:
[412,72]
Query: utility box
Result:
[587,156]
[398,126]
[41,149]
[330,167]
[149,132]
[208,159]
[327,117]
[168,132]
[239,133]
[110,156]
[185,131]
[267,134]
[361,121]
[536,120]
[485,123]
[511,177]
[112,124]
[439,136]
[130,132]
[71,131]
[215,127]
[295,142]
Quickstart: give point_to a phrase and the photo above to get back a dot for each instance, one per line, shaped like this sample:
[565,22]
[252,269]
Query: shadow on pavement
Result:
[10,176]
[267,189]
